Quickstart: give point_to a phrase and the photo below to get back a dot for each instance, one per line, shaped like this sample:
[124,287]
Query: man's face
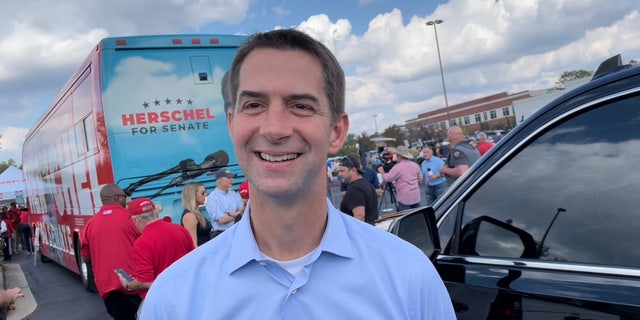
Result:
[280,126]
[427,153]
[345,174]
[224,183]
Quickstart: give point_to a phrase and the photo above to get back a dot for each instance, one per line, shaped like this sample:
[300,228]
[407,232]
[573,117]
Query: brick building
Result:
[487,113]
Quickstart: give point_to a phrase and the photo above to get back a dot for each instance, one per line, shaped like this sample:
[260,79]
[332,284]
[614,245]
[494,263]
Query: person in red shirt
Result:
[106,243]
[483,145]
[160,244]
[14,215]
[25,231]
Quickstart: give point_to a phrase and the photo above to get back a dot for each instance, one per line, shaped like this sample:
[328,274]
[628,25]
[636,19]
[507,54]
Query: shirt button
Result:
[294,291]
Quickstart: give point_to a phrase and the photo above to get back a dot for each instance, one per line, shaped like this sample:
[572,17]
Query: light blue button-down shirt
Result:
[220,202]
[358,272]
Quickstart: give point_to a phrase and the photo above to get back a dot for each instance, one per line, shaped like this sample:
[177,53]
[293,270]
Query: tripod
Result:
[388,188]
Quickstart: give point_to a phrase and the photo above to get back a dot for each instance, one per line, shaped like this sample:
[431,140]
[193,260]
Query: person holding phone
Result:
[106,243]
[160,244]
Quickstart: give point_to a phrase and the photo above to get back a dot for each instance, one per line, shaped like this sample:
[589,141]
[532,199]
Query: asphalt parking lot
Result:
[12,276]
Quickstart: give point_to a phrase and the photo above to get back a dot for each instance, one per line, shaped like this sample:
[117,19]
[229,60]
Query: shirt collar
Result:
[220,191]
[335,239]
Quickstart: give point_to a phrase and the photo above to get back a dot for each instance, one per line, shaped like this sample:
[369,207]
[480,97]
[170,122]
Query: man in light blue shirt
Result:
[357,272]
[436,182]
[223,204]
[293,255]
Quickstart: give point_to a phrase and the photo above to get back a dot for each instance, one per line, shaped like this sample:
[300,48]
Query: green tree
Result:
[395,133]
[366,141]
[5,165]
[350,146]
[573,75]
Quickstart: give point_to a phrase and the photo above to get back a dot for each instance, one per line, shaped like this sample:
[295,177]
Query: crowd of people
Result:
[401,170]
[128,244]
[15,230]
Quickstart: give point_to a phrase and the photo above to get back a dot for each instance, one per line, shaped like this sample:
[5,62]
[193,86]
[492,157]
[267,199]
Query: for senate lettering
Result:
[167,128]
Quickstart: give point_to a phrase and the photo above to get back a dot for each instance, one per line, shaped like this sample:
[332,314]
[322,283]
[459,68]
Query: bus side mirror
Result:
[419,228]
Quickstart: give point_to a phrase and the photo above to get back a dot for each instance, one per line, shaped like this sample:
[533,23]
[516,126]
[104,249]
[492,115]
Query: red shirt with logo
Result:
[108,238]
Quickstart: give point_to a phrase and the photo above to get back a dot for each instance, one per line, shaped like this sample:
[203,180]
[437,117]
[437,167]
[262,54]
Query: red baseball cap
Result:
[141,206]
[243,190]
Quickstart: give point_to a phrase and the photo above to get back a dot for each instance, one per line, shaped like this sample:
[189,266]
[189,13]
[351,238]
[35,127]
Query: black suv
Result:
[547,224]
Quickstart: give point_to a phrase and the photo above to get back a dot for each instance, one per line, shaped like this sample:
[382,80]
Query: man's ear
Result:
[339,133]
[229,113]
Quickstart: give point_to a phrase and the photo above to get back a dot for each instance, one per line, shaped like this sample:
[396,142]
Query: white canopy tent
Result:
[11,184]
[382,139]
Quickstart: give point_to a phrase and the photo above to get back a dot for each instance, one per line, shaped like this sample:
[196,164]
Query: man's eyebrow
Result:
[291,97]
[302,96]
[252,94]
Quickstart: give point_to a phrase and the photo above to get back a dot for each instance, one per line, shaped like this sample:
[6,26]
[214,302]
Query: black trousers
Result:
[215,233]
[25,231]
[122,306]
[6,251]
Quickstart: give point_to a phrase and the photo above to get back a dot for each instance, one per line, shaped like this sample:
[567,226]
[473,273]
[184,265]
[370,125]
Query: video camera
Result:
[386,159]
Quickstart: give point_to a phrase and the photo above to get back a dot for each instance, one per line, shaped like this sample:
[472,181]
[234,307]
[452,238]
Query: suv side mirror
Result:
[419,228]
[487,236]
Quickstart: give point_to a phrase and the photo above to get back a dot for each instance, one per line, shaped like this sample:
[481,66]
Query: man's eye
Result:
[303,107]
[252,105]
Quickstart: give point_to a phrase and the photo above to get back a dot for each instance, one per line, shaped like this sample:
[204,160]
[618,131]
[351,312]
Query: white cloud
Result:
[487,47]
[281,11]
[392,68]
[11,139]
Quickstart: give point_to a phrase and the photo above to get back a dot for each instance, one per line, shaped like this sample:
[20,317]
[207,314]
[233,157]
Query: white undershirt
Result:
[293,266]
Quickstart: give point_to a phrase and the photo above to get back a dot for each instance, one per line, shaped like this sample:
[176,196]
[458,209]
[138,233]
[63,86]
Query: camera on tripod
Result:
[385,156]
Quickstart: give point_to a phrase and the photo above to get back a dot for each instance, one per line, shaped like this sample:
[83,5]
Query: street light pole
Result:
[375,121]
[444,88]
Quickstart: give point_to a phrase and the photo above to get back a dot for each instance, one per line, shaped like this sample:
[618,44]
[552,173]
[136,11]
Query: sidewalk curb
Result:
[12,276]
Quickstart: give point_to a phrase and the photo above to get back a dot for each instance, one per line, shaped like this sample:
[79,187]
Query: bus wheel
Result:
[86,272]
[43,258]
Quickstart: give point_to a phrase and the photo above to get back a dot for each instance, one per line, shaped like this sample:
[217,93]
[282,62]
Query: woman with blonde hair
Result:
[193,196]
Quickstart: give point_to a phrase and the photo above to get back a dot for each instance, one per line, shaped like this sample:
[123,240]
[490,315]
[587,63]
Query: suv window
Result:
[573,191]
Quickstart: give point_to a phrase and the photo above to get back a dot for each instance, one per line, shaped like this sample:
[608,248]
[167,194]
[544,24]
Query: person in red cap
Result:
[243,190]
[106,243]
[160,244]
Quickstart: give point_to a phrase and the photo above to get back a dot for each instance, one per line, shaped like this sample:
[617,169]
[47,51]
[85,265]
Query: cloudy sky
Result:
[388,53]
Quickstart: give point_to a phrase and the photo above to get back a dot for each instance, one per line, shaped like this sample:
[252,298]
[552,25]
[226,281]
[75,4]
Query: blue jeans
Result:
[433,192]
[402,206]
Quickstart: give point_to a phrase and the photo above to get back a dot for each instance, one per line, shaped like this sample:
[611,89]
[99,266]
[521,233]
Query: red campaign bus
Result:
[143,112]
